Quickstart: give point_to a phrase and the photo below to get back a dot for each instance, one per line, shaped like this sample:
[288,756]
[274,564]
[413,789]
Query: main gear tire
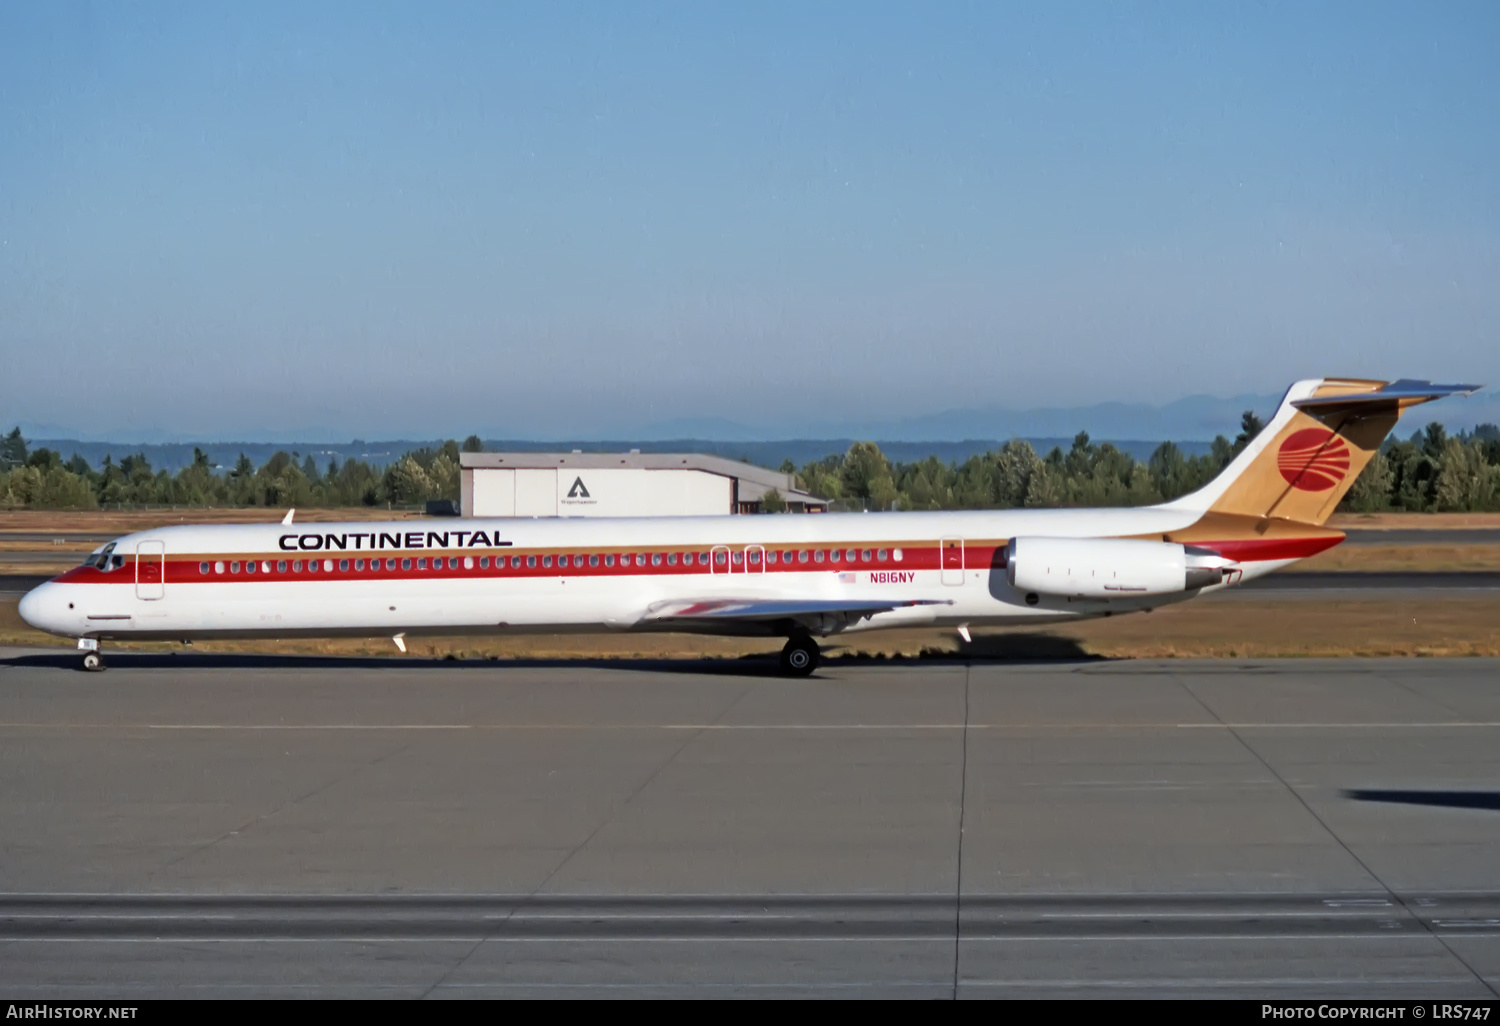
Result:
[800,657]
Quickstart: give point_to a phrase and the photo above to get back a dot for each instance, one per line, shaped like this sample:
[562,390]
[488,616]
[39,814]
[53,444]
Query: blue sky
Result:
[283,220]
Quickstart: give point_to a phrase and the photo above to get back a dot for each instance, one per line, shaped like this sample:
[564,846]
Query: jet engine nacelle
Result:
[1106,568]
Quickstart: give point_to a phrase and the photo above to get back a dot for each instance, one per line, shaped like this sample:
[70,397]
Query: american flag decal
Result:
[848,578]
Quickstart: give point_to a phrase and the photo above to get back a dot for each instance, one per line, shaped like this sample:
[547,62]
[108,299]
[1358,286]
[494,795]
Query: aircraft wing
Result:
[818,615]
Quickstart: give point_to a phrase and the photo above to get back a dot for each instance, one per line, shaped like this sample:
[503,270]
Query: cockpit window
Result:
[101,559]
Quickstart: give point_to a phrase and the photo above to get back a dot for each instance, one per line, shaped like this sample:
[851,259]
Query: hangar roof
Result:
[751,482]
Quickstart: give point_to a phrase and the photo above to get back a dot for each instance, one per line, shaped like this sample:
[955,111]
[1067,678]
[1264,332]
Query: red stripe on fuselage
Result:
[976,556]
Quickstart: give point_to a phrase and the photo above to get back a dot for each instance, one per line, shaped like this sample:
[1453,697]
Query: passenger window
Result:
[422,563]
[296,566]
[249,566]
[234,567]
[802,556]
[203,568]
[469,562]
[770,557]
[656,559]
[594,559]
[281,566]
[531,561]
[737,558]
[880,554]
[865,556]
[787,557]
[818,556]
[328,565]
[755,557]
[719,558]
[390,564]
[671,559]
[343,566]
[896,555]
[609,560]
[219,567]
[406,564]
[640,559]
[515,561]
[312,566]
[359,564]
[546,561]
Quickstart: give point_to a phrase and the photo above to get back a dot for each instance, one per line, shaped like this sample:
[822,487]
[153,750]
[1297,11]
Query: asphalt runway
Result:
[1420,536]
[280,826]
[1389,583]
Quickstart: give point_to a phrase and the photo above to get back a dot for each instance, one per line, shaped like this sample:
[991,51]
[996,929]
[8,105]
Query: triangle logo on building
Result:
[578,491]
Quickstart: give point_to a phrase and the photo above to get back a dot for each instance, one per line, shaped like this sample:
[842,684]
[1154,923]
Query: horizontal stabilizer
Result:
[1397,395]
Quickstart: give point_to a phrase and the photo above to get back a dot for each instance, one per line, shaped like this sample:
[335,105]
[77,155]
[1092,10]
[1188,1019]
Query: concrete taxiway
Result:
[200,825]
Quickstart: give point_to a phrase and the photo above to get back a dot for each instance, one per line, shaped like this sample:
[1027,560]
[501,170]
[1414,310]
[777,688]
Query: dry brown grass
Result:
[1209,628]
[1413,521]
[1403,558]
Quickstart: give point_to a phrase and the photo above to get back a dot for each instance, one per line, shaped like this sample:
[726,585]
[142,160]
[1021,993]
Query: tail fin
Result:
[1307,457]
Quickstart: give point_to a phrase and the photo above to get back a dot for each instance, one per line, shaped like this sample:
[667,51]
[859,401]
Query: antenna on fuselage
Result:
[288,518]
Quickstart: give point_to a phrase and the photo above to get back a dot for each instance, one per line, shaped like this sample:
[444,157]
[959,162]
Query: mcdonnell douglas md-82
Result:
[798,577]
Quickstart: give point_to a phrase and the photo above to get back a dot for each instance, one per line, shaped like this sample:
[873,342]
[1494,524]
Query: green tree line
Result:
[41,479]
[1429,471]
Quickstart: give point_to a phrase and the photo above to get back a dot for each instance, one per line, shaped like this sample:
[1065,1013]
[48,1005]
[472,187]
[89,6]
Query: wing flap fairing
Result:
[823,616]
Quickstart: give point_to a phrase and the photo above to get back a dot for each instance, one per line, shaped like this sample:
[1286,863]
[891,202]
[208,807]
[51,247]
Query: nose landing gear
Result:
[93,659]
[800,657]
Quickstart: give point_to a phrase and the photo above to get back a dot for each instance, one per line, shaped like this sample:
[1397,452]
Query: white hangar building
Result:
[633,484]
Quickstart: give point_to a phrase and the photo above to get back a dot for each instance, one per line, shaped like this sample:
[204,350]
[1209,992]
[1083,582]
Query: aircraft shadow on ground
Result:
[1488,800]
[1008,649]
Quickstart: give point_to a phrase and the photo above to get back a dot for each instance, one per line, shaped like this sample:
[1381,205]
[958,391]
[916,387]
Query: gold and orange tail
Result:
[1307,457]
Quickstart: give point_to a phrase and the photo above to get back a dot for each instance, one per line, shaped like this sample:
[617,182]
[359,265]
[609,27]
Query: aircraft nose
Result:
[42,607]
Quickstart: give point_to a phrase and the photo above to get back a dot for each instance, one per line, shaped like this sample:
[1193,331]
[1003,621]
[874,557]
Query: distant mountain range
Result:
[1135,428]
[174,456]
[1197,418]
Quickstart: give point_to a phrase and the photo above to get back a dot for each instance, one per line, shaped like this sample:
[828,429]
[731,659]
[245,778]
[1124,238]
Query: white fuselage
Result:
[467,576]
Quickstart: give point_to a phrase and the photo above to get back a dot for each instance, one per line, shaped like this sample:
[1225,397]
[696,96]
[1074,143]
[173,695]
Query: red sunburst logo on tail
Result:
[1313,460]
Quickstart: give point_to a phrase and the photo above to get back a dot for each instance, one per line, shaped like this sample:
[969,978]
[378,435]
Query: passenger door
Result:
[150,570]
[951,552]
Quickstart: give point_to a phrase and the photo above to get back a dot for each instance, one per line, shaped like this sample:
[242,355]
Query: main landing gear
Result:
[800,657]
[93,659]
